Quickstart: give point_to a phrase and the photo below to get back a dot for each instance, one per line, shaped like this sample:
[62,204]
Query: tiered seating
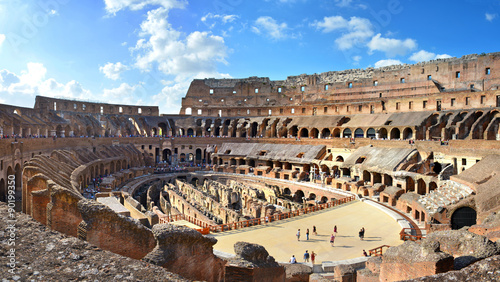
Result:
[450,192]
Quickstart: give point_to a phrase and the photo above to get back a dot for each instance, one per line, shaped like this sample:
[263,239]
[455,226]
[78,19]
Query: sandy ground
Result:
[280,240]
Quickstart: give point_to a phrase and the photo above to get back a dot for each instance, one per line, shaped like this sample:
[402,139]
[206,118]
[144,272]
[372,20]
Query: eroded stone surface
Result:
[47,255]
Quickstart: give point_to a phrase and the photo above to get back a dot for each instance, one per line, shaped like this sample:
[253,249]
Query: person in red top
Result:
[313,256]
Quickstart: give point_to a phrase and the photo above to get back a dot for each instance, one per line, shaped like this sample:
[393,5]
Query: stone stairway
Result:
[450,192]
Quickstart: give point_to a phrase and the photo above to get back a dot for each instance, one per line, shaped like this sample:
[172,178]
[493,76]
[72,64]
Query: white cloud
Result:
[356,59]
[113,6]
[126,94]
[164,47]
[34,75]
[388,62]
[391,47]
[358,30]
[113,71]
[443,56]
[212,20]
[330,24]
[422,56]
[270,27]
[2,39]
[490,17]
[21,89]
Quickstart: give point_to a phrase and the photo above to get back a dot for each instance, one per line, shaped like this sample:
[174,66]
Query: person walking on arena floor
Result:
[335,230]
[298,235]
[332,239]
[362,233]
[314,230]
[307,234]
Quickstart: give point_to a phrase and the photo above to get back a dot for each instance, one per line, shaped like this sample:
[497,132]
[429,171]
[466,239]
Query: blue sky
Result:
[147,52]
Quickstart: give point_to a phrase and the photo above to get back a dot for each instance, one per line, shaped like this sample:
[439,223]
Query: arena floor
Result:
[280,240]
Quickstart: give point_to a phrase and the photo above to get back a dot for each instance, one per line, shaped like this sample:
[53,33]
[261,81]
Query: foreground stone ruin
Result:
[99,185]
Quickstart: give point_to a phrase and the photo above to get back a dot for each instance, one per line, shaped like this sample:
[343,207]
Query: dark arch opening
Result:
[465,216]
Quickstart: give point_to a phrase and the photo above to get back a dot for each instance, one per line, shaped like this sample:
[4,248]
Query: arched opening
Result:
[198,155]
[410,184]
[314,133]
[407,133]
[304,133]
[421,187]
[387,180]
[437,167]
[299,196]
[293,131]
[167,155]
[377,178]
[370,133]
[358,133]
[464,216]
[324,199]
[255,125]
[190,132]
[382,134]
[287,191]
[325,133]
[347,133]
[336,132]
[395,134]
[432,186]
[366,176]
[339,159]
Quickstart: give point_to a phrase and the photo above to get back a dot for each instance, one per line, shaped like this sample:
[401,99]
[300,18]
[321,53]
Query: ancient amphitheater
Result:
[411,152]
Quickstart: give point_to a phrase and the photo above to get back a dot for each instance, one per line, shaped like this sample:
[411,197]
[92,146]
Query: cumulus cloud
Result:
[113,71]
[422,56]
[356,30]
[360,30]
[490,17]
[21,89]
[391,47]
[388,62]
[113,6]
[270,27]
[330,24]
[163,46]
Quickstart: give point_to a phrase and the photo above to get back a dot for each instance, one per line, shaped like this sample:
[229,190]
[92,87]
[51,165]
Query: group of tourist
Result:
[312,255]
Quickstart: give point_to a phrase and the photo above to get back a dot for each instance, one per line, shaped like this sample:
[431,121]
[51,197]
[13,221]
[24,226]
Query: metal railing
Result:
[206,228]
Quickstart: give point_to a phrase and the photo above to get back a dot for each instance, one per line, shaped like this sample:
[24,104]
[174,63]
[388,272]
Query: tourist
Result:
[313,257]
[332,239]
[362,233]
[292,259]
[335,230]
[307,234]
[365,254]
[314,230]
[298,235]
[306,256]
